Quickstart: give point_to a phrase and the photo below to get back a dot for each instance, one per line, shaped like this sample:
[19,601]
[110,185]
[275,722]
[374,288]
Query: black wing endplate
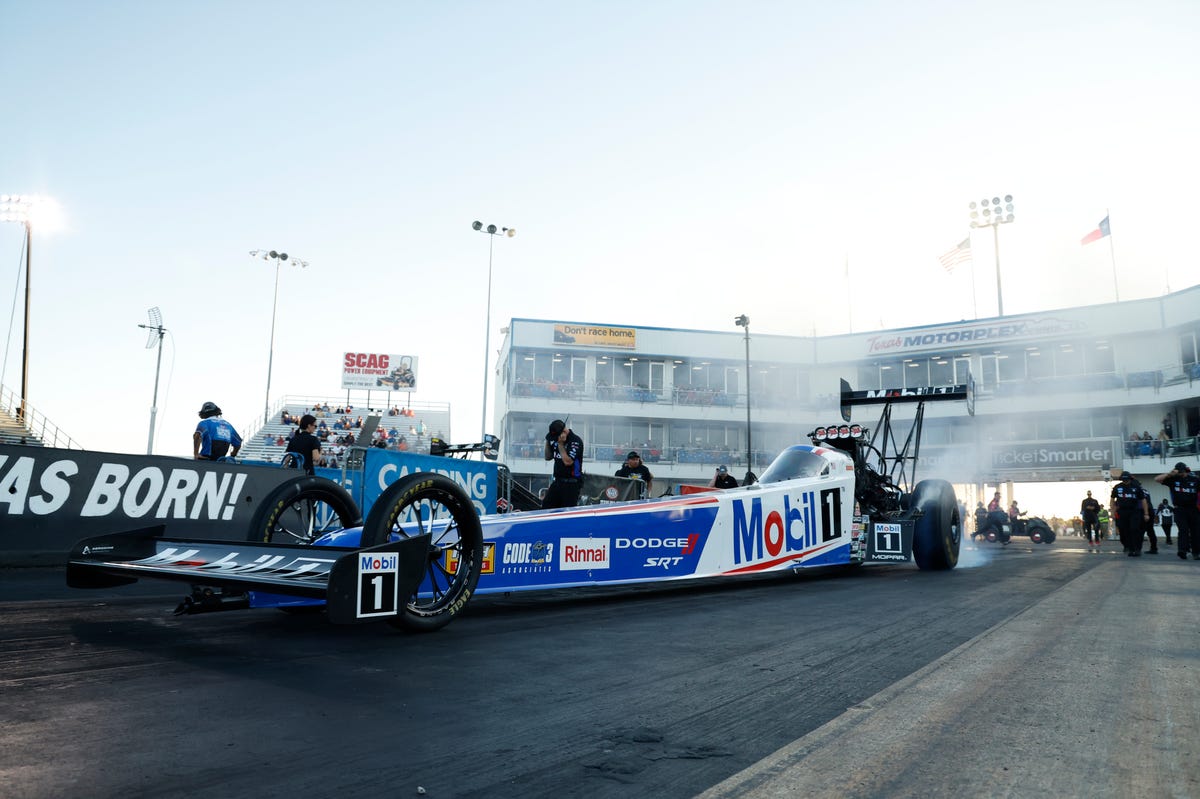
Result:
[357,584]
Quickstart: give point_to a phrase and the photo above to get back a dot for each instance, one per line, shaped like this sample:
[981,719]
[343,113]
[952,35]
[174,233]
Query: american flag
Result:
[958,255]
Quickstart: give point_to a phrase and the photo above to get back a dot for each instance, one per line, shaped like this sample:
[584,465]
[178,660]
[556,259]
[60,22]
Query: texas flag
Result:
[1098,233]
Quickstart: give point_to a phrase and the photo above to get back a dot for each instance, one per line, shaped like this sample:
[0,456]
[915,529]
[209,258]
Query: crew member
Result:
[1166,517]
[1130,508]
[1089,511]
[1148,525]
[566,450]
[995,503]
[980,519]
[723,479]
[634,468]
[305,444]
[214,437]
[1184,487]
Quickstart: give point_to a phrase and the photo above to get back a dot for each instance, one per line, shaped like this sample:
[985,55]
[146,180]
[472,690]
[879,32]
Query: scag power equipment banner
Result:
[51,498]
[379,370]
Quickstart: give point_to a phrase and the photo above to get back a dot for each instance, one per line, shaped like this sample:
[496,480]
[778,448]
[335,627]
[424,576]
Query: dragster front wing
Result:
[356,584]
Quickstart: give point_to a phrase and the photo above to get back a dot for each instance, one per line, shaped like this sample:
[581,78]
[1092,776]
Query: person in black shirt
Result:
[1129,506]
[1089,511]
[566,450]
[637,470]
[1184,487]
[1166,518]
[305,444]
[723,479]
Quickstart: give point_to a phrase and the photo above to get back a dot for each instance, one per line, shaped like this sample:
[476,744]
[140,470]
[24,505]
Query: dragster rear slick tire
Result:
[937,533]
[431,503]
[288,513]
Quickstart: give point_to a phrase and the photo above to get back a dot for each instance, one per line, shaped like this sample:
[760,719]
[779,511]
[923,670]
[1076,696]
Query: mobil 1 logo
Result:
[890,541]
[378,584]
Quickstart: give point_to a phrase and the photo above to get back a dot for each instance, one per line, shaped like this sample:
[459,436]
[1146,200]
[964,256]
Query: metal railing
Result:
[34,429]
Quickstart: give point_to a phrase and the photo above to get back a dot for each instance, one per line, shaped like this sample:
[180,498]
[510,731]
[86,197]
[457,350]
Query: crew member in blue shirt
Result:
[214,437]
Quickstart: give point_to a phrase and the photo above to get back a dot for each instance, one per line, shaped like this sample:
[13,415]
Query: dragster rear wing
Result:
[356,584]
[962,391]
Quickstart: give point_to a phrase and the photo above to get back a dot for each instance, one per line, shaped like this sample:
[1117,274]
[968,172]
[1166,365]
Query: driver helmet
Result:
[209,409]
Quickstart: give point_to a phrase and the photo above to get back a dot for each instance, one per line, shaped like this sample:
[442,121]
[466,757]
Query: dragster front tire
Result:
[937,533]
[300,509]
[431,503]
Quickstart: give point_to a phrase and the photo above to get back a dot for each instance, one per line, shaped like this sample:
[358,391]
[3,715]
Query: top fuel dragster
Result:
[422,551]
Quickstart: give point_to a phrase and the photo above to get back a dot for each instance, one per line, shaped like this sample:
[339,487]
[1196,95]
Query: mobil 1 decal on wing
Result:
[778,527]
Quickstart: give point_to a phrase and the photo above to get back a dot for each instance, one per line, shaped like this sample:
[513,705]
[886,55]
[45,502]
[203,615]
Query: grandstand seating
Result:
[434,416]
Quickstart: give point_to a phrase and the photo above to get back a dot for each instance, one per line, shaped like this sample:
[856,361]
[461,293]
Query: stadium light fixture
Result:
[993,213]
[26,209]
[492,232]
[279,258]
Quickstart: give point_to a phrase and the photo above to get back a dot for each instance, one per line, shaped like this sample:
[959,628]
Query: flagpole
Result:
[1112,254]
[849,302]
[974,298]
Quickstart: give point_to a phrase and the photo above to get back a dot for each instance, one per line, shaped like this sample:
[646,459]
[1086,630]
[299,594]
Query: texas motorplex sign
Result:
[379,370]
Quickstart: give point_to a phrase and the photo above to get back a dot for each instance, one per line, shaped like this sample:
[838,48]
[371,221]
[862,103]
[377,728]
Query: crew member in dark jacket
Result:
[1184,487]
[1129,506]
[633,467]
[566,450]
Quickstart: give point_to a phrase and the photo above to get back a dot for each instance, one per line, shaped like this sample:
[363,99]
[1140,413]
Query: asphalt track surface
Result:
[1043,671]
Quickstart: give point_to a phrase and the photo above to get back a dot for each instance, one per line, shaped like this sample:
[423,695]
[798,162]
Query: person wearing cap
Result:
[566,450]
[214,437]
[1184,487]
[634,468]
[723,479]
[1089,511]
[1129,506]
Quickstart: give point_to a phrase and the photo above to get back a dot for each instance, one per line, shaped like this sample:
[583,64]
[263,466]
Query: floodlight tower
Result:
[994,214]
[279,258]
[492,231]
[156,336]
[743,321]
[21,208]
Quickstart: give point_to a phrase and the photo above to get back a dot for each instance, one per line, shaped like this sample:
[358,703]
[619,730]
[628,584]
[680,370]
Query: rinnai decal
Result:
[801,524]
[579,554]
[596,336]
[916,340]
[379,371]
[151,492]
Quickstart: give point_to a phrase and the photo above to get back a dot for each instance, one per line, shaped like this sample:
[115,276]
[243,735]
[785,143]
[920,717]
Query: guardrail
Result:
[40,430]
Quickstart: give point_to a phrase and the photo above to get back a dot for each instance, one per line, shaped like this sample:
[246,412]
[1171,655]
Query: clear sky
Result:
[669,164]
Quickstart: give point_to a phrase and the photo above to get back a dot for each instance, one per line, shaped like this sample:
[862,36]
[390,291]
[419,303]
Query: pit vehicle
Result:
[997,526]
[422,552]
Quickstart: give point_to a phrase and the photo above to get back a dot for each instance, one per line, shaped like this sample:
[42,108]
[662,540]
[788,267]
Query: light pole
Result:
[19,208]
[492,231]
[279,258]
[156,336]
[743,321]
[994,214]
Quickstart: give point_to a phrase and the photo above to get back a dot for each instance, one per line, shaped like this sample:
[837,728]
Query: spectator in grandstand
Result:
[722,478]
[305,443]
[214,437]
[566,450]
[279,442]
[634,468]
